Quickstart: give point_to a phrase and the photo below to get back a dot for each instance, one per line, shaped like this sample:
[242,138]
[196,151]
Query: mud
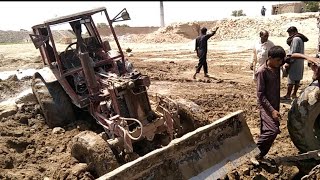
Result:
[30,150]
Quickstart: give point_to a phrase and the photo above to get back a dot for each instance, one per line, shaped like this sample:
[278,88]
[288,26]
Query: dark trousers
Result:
[202,62]
[269,129]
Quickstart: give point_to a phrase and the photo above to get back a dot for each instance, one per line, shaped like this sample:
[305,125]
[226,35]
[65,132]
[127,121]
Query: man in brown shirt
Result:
[268,96]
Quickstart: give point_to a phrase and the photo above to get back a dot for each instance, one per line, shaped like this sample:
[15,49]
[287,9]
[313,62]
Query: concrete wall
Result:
[287,8]
[105,31]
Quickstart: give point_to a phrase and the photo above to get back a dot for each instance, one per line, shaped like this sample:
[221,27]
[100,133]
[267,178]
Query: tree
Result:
[237,13]
[311,6]
[121,25]
[100,25]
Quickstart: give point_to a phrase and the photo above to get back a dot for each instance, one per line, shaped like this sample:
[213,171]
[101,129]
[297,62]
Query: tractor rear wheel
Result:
[54,102]
[304,120]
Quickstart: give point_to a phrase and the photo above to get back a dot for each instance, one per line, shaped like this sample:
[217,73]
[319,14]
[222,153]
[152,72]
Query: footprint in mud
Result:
[19,144]
[6,162]
[216,80]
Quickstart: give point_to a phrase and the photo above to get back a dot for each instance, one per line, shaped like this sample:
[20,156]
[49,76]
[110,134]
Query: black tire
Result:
[54,102]
[90,148]
[303,120]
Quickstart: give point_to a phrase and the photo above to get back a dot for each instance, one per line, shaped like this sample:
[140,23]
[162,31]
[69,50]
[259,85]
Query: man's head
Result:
[276,56]
[264,35]
[292,30]
[203,30]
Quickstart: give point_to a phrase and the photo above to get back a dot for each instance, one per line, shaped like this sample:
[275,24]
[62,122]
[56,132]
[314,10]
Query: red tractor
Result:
[86,73]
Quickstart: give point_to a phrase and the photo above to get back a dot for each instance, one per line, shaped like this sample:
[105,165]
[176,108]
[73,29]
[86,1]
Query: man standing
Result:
[260,52]
[295,68]
[268,96]
[201,49]
[263,11]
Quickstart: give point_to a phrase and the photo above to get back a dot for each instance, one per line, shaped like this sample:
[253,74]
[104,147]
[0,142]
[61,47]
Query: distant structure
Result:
[287,8]
[161,14]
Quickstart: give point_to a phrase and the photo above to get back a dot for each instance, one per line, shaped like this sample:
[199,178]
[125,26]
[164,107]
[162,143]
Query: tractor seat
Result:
[70,60]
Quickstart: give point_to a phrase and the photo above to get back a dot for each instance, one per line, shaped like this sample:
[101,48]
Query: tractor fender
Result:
[46,74]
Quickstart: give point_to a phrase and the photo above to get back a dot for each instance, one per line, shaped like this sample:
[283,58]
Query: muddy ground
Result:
[30,150]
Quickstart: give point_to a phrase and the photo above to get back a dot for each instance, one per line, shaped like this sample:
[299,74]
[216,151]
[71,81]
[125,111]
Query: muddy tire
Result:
[304,120]
[54,102]
[90,148]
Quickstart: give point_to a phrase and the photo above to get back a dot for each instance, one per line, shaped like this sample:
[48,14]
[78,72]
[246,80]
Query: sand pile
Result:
[233,28]
[14,36]
[23,36]
[277,25]
[173,33]
[230,28]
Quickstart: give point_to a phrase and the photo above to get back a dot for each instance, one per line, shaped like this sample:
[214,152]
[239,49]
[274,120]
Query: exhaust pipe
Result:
[87,66]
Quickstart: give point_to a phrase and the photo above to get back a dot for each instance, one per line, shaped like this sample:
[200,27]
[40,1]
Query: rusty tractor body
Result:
[102,82]
[84,71]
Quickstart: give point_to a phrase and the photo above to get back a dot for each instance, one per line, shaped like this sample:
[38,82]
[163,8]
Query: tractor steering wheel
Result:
[70,47]
[73,53]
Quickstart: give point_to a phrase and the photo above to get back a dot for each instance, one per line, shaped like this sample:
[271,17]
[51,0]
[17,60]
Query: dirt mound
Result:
[232,28]
[248,27]
[11,87]
[64,36]
[23,36]
[29,149]
[14,36]
[177,32]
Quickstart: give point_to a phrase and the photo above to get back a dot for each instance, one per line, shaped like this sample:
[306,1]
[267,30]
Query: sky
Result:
[18,15]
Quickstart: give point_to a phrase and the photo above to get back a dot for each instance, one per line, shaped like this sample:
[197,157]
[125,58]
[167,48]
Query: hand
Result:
[286,65]
[251,66]
[314,60]
[198,55]
[287,58]
[215,30]
[276,115]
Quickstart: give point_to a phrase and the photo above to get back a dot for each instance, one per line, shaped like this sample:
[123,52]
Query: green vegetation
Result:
[100,25]
[311,6]
[121,25]
[237,13]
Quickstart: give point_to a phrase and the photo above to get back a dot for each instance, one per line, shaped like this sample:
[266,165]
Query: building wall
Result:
[127,30]
[287,8]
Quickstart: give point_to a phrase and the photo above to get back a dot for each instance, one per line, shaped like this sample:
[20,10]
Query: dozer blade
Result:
[209,152]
